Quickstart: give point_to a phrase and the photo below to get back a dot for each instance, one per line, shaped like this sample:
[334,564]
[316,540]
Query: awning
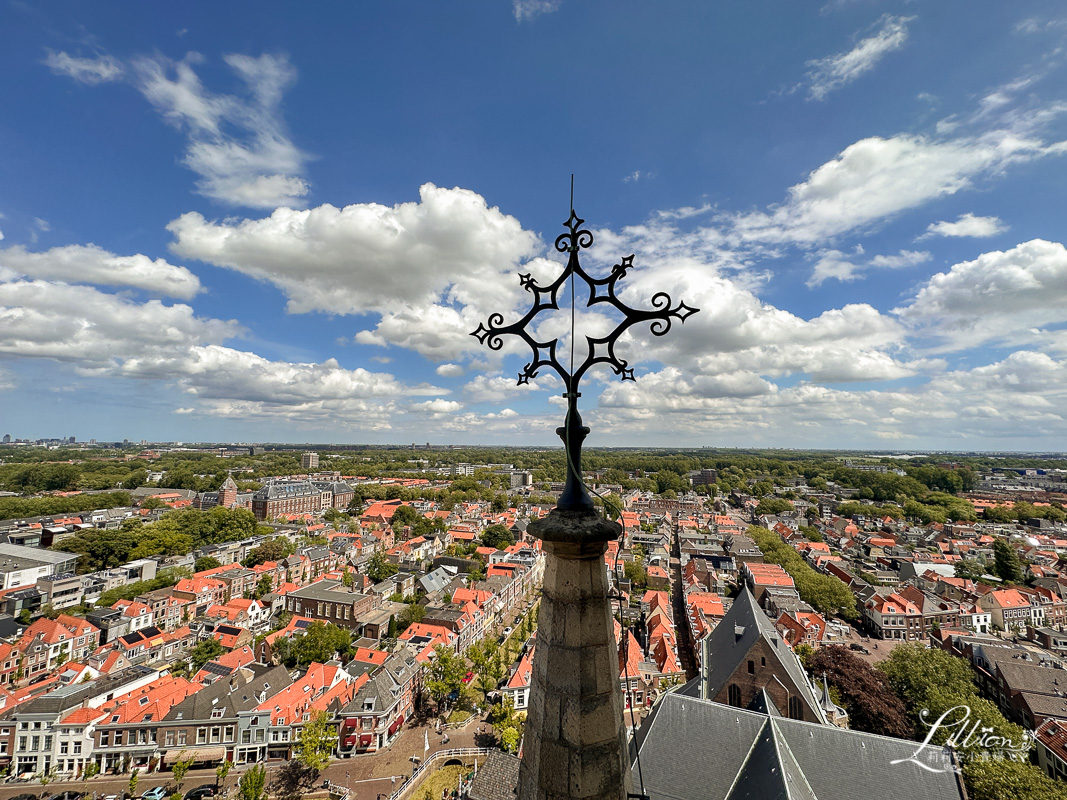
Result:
[366,739]
[196,754]
[396,724]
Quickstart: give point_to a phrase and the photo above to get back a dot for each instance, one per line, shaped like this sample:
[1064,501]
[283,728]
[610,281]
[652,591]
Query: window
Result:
[77,748]
[182,738]
[228,733]
[217,713]
[735,695]
[751,667]
[246,737]
[796,709]
[22,743]
[201,735]
[118,738]
[259,736]
[763,661]
[216,735]
[63,748]
[170,739]
[35,743]
[105,738]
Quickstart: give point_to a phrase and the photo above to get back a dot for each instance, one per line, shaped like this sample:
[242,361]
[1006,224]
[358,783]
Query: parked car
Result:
[201,792]
[859,648]
[67,796]
[467,677]
[24,797]
[155,793]
[507,631]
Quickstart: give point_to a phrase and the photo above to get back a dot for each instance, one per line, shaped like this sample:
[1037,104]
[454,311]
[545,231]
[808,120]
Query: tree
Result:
[319,644]
[444,674]
[205,563]
[45,777]
[773,505]
[865,692]
[276,549]
[914,671]
[411,614]
[970,568]
[133,781]
[203,652]
[253,783]
[180,769]
[379,568]
[92,769]
[405,517]
[221,771]
[263,586]
[1006,562]
[316,743]
[996,779]
[497,536]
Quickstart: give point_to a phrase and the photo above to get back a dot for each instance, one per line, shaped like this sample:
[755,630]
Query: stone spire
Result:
[575,742]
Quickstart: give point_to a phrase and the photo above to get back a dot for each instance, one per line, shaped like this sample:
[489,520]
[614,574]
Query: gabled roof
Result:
[769,757]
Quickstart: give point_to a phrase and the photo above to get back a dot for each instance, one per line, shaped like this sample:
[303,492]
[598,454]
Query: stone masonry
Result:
[575,741]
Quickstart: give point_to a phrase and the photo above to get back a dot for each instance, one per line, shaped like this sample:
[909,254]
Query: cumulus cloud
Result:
[450,370]
[92,264]
[111,336]
[237,145]
[101,69]
[94,329]
[874,179]
[967,225]
[996,295]
[831,73]
[846,267]
[432,270]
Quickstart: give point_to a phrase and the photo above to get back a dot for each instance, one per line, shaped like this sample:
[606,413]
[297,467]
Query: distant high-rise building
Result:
[7,438]
[309,460]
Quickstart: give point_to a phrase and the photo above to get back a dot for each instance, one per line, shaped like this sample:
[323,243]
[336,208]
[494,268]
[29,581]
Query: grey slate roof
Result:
[496,778]
[700,750]
[733,638]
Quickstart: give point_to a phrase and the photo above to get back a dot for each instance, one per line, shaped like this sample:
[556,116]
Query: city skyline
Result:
[282,225]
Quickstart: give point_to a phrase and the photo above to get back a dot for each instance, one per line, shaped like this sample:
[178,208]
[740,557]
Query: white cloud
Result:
[844,267]
[92,264]
[833,72]
[528,9]
[638,175]
[433,270]
[875,178]
[450,370]
[437,406]
[93,329]
[237,145]
[101,69]
[996,295]
[967,225]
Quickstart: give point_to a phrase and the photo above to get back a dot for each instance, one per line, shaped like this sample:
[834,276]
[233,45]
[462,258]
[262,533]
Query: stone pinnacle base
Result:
[575,741]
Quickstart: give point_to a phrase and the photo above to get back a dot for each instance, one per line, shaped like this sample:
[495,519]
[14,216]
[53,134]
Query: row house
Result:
[203,592]
[203,727]
[893,617]
[249,614]
[168,611]
[1008,607]
[124,735]
[270,731]
[802,627]
[330,601]
[377,712]
[37,729]
[153,646]
[238,580]
[48,644]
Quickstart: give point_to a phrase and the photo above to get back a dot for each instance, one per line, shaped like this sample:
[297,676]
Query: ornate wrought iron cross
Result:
[601,349]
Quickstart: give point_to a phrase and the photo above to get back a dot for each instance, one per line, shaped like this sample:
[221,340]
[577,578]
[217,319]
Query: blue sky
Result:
[278,222]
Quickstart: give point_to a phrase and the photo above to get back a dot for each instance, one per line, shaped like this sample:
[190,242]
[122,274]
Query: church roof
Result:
[701,750]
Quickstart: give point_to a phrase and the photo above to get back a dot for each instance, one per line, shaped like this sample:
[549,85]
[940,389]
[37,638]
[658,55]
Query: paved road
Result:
[368,775]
